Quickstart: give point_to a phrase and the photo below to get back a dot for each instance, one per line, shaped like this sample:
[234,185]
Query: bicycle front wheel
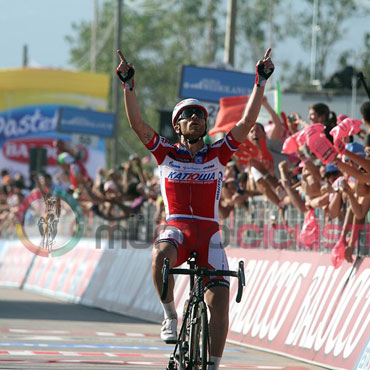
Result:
[198,340]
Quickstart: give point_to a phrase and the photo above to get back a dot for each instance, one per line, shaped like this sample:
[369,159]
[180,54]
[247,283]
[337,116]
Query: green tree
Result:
[365,57]
[258,28]
[331,28]
[158,37]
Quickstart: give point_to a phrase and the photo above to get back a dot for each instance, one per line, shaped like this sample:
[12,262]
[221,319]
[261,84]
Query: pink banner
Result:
[297,304]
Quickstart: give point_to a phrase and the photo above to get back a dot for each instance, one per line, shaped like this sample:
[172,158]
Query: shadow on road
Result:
[58,311]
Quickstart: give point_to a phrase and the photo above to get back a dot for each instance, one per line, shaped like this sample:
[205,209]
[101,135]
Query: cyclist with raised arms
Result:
[191,175]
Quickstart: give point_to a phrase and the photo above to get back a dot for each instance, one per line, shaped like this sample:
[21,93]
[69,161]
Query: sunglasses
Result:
[188,112]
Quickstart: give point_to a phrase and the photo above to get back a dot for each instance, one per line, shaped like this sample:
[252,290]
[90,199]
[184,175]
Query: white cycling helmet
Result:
[187,103]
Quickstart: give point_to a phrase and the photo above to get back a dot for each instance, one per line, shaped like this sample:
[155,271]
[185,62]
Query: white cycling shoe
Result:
[169,331]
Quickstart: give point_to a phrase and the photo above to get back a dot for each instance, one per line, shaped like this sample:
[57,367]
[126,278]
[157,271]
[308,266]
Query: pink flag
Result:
[338,253]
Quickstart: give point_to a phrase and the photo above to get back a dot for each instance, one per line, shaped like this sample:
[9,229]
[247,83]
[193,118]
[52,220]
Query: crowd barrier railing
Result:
[256,225]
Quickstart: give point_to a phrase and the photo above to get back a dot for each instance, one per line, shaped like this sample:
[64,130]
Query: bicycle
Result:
[191,351]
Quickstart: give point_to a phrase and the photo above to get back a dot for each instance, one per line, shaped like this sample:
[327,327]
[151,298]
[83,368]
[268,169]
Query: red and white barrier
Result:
[294,303]
[297,304]
[14,263]
[123,283]
[65,276]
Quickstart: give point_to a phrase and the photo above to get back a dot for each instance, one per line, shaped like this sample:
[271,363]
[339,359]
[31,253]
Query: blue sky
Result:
[43,25]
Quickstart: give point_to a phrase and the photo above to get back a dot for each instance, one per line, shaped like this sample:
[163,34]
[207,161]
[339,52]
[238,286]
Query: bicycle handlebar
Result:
[203,271]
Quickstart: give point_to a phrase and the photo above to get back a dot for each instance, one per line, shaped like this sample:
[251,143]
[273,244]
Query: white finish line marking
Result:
[43,337]
[66,332]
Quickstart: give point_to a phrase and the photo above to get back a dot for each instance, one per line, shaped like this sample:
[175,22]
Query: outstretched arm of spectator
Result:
[125,177]
[264,68]
[275,133]
[335,206]
[133,111]
[363,162]
[320,201]
[294,197]
[140,171]
[37,181]
[351,171]
[359,208]
[92,195]
[314,170]
[119,187]
[356,225]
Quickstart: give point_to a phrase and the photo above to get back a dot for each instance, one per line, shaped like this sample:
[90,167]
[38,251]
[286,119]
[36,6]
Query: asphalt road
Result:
[38,332]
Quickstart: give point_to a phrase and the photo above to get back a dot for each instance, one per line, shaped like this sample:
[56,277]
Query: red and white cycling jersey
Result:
[191,186]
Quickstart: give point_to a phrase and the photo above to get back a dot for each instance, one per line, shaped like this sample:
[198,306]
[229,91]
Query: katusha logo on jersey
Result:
[191,176]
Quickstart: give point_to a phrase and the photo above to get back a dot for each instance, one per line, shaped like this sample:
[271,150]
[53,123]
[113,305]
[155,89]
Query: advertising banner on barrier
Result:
[298,304]
[123,283]
[66,276]
[14,263]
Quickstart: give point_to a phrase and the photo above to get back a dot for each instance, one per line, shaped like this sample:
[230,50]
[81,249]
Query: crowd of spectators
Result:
[113,195]
[323,163]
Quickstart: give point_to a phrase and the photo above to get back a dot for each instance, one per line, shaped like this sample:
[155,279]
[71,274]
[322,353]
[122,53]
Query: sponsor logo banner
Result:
[84,121]
[35,127]
[299,305]
[210,84]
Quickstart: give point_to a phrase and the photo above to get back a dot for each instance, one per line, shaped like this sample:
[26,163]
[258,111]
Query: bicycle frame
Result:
[195,322]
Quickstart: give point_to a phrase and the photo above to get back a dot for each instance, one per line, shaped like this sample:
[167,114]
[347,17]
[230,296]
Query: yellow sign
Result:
[28,86]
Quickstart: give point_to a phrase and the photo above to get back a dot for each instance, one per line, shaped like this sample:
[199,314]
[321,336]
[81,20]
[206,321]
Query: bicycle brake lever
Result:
[165,272]
[241,281]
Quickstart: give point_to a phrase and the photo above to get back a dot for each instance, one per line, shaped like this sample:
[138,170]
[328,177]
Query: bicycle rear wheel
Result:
[198,339]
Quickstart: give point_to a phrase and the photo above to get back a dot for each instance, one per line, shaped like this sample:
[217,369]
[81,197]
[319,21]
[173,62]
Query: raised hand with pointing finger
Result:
[264,69]
[188,216]
[125,72]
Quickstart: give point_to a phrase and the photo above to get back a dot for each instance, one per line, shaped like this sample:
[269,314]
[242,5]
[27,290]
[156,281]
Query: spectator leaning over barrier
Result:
[229,190]
[262,170]
[336,181]
[292,188]
[365,112]
[240,199]
[191,176]
[274,141]
[323,199]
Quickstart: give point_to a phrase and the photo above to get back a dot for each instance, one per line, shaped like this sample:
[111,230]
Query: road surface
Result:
[39,332]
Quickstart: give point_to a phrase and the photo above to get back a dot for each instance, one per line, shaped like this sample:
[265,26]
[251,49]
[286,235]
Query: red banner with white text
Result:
[299,305]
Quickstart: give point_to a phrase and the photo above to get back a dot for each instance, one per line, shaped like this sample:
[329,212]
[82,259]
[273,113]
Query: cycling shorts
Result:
[198,236]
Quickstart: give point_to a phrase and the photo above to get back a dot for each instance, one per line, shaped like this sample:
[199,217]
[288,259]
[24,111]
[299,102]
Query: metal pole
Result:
[94,33]
[272,3]
[116,85]
[25,56]
[314,41]
[354,96]
[230,32]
